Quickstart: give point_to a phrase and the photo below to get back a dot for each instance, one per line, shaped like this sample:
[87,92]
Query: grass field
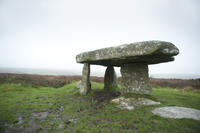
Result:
[24,108]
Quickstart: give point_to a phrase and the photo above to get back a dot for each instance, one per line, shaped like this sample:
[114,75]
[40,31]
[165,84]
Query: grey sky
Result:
[49,33]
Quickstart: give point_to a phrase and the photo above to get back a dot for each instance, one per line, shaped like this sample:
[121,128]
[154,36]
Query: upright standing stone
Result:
[135,78]
[85,82]
[110,78]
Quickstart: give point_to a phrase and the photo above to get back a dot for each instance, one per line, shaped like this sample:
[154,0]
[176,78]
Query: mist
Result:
[48,34]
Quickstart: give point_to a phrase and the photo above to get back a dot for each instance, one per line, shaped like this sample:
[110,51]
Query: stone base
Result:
[110,78]
[135,78]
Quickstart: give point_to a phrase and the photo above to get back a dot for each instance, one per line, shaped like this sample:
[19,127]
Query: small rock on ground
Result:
[177,112]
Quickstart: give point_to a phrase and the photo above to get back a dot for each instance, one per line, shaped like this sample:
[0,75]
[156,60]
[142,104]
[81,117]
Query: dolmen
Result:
[133,59]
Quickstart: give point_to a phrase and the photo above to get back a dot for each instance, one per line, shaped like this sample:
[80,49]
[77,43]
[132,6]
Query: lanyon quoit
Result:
[133,59]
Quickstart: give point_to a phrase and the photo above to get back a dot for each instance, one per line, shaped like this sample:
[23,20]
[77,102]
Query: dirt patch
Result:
[105,95]
[129,127]
[40,115]
[33,125]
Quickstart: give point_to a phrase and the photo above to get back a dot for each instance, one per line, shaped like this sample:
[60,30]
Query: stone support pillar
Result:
[85,82]
[110,78]
[135,78]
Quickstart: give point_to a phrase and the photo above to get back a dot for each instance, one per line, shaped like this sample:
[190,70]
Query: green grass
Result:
[67,111]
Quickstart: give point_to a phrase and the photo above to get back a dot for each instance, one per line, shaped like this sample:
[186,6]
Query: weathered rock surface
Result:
[85,85]
[110,78]
[78,85]
[177,112]
[149,52]
[132,103]
[135,79]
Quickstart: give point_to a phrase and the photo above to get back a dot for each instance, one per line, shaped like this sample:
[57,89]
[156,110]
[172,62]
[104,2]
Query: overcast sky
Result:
[50,33]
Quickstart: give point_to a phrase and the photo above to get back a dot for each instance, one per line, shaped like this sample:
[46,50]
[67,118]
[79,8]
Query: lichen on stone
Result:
[146,52]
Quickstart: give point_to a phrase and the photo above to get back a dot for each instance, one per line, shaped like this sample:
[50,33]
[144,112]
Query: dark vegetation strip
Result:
[176,83]
[59,81]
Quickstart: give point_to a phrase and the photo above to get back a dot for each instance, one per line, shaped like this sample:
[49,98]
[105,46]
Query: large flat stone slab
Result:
[177,112]
[149,52]
[132,103]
